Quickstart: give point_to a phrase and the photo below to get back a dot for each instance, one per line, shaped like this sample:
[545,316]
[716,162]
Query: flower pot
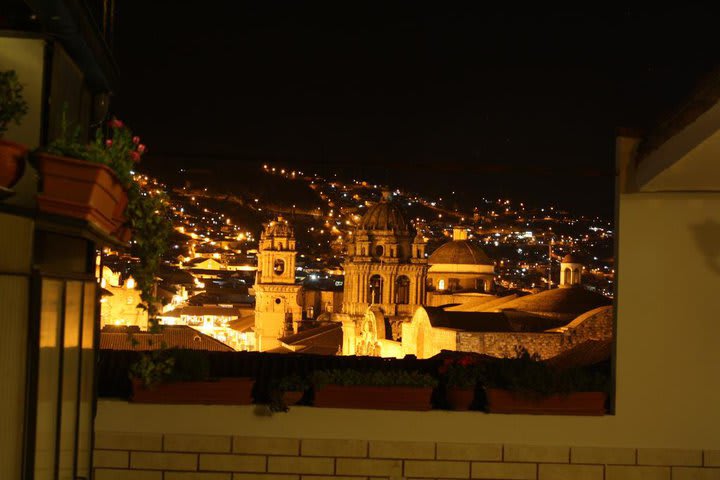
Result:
[223,391]
[79,189]
[574,403]
[292,397]
[374,397]
[12,163]
[460,398]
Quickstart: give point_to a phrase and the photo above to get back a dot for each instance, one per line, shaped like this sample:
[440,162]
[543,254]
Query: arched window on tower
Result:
[279,266]
[402,290]
[567,279]
[375,288]
[379,250]
[441,284]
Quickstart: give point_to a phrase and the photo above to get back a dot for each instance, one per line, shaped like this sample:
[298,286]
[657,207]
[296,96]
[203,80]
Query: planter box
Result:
[575,403]
[12,163]
[224,391]
[374,398]
[83,190]
[292,397]
[460,398]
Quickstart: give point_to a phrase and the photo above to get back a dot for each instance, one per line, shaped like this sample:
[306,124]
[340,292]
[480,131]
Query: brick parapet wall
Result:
[596,325]
[198,457]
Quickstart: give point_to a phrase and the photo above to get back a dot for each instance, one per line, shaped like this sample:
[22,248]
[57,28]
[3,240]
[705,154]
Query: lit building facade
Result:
[120,300]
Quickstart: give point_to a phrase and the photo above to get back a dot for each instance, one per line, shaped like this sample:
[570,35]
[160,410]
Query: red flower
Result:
[136,139]
[135,156]
[108,142]
[115,123]
[141,148]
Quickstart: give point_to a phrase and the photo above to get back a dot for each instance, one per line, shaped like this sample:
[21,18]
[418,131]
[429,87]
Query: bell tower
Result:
[571,268]
[276,253]
[277,303]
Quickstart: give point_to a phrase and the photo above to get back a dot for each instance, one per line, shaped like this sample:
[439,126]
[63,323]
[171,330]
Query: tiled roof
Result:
[590,352]
[206,310]
[506,322]
[172,336]
[243,324]
[198,260]
[322,340]
[571,301]
[310,333]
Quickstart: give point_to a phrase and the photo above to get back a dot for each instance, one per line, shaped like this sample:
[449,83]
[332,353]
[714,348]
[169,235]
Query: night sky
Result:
[488,100]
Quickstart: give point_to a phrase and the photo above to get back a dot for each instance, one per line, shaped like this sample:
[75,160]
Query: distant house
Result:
[119,301]
[203,263]
[229,324]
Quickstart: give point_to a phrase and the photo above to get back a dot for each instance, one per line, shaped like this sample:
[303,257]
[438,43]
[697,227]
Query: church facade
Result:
[385,275]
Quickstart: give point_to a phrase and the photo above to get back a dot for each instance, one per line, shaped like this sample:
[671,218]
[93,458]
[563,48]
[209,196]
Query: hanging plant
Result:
[146,213]
[148,220]
[13,108]
[12,103]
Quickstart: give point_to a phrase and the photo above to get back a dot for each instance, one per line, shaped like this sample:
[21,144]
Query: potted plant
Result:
[287,391]
[461,376]
[293,388]
[183,377]
[89,181]
[527,385]
[12,108]
[380,390]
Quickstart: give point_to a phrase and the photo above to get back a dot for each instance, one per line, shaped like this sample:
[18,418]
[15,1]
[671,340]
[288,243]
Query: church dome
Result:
[459,252]
[384,216]
[570,258]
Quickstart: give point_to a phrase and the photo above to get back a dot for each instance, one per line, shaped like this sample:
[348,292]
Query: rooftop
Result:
[172,336]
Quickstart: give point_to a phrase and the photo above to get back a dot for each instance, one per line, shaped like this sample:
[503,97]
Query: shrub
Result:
[170,365]
[530,376]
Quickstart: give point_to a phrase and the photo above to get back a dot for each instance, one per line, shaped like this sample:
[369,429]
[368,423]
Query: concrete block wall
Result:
[154,456]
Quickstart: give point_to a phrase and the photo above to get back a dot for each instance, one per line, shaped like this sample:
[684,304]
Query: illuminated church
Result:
[385,270]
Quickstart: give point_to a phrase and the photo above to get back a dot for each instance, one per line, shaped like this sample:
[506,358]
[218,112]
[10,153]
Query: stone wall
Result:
[151,456]
[596,324]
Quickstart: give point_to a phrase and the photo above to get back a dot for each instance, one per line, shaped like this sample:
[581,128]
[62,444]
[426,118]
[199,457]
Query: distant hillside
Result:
[246,181]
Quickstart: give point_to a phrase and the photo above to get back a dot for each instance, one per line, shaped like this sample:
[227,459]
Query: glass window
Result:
[402,290]
[375,289]
[279,266]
